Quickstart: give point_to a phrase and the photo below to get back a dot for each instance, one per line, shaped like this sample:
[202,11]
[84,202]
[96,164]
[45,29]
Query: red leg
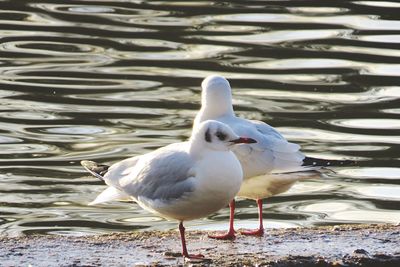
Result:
[260,230]
[230,235]
[185,253]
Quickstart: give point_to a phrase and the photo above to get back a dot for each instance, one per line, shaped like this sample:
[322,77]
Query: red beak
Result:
[244,140]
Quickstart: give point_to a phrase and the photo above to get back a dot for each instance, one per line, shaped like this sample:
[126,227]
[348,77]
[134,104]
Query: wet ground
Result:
[342,245]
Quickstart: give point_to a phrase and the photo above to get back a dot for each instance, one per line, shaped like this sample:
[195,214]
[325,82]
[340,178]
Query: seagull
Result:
[181,181]
[270,166]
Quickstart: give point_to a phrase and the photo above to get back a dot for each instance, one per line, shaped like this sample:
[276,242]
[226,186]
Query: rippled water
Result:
[105,80]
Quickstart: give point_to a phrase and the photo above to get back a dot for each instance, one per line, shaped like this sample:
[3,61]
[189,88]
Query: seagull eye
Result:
[221,136]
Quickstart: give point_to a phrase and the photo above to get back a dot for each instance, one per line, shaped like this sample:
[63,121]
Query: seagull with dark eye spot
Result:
[182,181]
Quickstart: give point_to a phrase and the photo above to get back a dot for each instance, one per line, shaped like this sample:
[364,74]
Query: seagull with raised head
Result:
[270,166]
[182,181]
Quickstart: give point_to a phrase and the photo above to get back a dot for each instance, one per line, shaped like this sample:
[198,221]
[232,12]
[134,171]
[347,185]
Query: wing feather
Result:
[163,174]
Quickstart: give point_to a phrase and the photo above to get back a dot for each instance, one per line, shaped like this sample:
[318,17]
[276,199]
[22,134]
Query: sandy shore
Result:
[344,245]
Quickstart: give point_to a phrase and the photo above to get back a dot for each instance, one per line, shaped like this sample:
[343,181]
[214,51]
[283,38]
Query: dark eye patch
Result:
[207,136]
[221,136]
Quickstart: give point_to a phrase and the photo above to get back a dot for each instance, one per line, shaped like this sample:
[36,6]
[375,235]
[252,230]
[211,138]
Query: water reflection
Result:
[372,172]
[105,81]
[368,123]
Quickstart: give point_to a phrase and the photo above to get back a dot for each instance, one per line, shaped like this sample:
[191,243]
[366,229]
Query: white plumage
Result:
[269,164]
[182,181]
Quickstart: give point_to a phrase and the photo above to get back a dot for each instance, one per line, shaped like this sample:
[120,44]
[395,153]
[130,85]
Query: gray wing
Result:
[267,136]
[271,153]
[164,174]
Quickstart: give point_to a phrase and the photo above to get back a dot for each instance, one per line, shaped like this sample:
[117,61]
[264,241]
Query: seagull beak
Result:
[243,140]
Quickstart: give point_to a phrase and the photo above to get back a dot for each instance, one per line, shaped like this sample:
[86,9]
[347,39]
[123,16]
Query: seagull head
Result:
[216,96]
[218,136]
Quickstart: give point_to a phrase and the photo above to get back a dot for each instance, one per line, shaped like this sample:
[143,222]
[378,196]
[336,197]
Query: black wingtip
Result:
[309,161]
[97,170]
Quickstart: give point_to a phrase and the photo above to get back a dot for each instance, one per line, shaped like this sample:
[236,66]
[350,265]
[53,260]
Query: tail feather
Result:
[97,170]
[309,161]
[110,194]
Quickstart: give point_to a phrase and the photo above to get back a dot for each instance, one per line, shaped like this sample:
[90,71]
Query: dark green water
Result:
[106,80]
